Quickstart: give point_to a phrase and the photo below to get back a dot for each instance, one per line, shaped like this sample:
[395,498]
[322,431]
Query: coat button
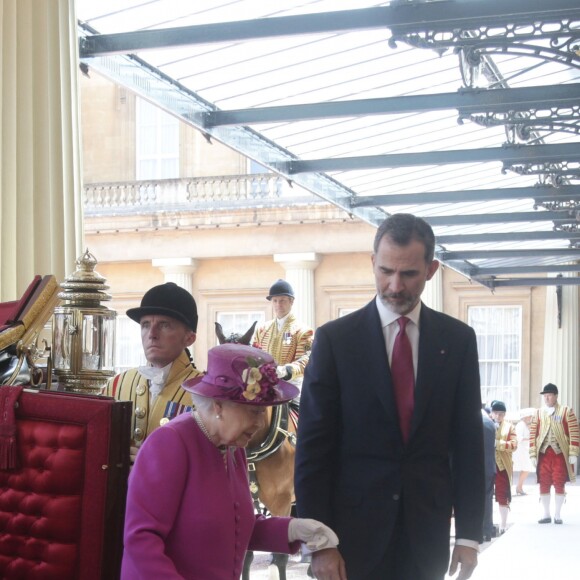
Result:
[138,434]
[396,497]
[140,390]
[140,412]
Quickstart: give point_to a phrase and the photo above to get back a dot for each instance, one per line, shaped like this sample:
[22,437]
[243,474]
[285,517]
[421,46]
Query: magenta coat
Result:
[187,516]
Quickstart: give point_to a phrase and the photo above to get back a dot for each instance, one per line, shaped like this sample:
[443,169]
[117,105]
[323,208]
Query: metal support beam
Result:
[505,282]
[477,273]
[445,255]
[401,18]
[538,193]
[509,154]
[498,218]
[492,237]
[466,101]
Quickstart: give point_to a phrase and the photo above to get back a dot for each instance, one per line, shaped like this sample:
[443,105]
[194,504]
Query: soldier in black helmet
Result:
[285,338]
[168,320]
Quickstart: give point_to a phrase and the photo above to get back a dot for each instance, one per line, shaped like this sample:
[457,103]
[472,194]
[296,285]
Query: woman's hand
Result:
[313,533]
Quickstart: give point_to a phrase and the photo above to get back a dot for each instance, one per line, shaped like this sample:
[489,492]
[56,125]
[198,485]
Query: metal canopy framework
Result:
[466,113]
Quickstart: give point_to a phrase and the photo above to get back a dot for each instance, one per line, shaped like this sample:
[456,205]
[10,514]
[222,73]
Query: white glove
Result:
[572,460]
[282,373]
[534,462]
[313,533]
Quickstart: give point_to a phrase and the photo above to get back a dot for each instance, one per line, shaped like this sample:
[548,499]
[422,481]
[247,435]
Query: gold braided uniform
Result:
[560,427]
[506,442]
[290,346]
[172,400]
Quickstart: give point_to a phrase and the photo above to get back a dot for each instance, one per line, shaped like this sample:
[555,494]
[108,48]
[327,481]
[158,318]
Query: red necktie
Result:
[403,377]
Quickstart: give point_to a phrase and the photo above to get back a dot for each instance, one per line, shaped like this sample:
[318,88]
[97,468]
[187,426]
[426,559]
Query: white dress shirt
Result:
[391,329]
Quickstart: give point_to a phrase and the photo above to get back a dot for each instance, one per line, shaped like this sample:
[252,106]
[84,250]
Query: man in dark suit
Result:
[386,467]
[489,428]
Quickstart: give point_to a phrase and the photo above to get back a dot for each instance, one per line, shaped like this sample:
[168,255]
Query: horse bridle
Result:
[277,434]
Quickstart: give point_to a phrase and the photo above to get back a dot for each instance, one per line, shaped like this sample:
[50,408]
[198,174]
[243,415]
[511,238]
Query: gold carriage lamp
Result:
[83,337]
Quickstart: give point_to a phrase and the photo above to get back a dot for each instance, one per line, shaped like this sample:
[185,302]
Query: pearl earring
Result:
[218,416]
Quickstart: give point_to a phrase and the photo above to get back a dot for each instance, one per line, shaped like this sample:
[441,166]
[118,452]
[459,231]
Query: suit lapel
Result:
[375,352]
[433,350]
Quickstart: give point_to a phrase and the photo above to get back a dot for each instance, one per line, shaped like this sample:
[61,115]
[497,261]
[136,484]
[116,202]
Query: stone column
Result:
[178,270]
[433,294]
[561,364]
[300,275]
[41,223]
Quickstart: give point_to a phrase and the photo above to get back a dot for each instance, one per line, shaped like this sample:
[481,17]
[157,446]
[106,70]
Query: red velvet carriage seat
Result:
[62,507]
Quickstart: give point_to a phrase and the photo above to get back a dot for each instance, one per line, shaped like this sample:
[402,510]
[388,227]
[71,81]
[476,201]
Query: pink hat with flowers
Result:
[241,374]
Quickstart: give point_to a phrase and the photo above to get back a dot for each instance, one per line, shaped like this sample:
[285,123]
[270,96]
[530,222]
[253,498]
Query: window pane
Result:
[238,322]
[157,143]
[499,339]
[128,348]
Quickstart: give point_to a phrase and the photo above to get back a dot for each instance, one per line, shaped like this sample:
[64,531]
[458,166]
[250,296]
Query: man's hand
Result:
[465,556]
[328,565]
[572,460]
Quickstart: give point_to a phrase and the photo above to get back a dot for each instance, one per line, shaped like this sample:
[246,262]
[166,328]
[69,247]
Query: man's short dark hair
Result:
[402,228]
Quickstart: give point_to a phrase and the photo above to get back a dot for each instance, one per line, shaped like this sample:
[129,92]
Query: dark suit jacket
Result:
[489,432]
[352,468]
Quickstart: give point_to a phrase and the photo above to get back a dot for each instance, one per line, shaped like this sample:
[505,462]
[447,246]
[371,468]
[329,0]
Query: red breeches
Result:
[552,470]
[503,494]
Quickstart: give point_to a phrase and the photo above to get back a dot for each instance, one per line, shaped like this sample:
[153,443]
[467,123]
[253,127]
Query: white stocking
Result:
[560,498]
[503,514]
[545,500]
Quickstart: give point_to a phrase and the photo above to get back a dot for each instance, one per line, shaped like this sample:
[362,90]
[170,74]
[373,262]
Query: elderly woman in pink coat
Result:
[189,509]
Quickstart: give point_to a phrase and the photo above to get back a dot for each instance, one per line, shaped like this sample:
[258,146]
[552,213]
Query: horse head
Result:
[235,337]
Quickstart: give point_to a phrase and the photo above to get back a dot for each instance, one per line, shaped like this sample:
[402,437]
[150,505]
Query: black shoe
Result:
[556,521]
[487,538]
[545,521]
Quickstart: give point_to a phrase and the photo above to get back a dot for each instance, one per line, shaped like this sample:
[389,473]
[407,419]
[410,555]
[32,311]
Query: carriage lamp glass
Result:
[83,342]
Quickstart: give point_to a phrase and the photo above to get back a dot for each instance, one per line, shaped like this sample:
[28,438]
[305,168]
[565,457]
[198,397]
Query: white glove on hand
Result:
[313,533]
[534,462]
[572,460]
[281,372]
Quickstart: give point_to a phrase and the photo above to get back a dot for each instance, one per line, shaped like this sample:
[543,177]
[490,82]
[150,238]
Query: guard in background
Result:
[168,320]
[554,443]
[285,338]
[506,443]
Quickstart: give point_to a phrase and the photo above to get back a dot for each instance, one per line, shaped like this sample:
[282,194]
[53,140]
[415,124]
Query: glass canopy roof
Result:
[415,87]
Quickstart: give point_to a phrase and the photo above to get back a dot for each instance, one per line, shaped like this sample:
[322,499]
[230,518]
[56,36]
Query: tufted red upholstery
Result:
[55,510]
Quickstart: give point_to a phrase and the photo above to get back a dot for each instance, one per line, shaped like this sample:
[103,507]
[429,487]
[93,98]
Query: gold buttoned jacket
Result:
[564,424]
[506,442]
[172,401]
[290,346]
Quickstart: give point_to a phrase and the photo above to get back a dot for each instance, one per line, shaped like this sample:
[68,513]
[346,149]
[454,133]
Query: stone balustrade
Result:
[196,192]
